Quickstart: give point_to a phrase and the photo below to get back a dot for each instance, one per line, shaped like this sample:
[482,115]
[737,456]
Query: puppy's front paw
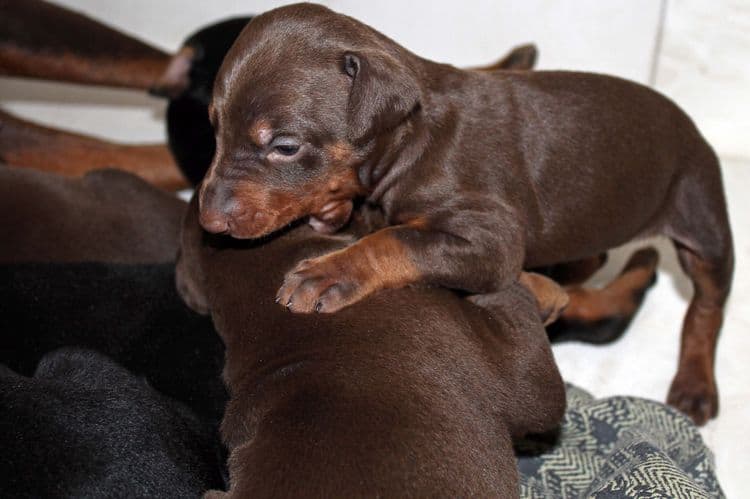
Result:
[325,284]
[696,397]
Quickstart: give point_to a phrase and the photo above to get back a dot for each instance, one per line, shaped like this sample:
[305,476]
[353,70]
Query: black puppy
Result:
[83,426]
[188,82]
[130,313]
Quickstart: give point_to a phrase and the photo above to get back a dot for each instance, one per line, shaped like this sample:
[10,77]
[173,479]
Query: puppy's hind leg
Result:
[700,231]
[600,316]
[575,272]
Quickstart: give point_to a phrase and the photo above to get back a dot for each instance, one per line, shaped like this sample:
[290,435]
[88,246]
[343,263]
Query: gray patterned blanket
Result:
[619,447]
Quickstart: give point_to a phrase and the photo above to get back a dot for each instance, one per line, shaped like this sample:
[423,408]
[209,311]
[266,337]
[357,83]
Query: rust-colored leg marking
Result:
[550,297]
[576,272]
[619,298]
[43,40]
[26,144]
[333,281]
[602,315]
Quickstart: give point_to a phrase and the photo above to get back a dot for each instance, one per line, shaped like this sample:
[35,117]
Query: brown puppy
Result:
[42,40]
[105,216]
[480,174]
[413,392]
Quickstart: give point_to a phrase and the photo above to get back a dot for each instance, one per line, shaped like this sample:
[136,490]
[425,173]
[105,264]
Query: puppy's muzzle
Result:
[215,208]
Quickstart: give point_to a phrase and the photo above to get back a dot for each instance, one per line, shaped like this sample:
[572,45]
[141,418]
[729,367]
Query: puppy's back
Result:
[107,215]
[413,392]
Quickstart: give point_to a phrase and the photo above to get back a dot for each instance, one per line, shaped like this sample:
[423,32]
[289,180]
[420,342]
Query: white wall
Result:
[616,36]
[703,62]
[704,65]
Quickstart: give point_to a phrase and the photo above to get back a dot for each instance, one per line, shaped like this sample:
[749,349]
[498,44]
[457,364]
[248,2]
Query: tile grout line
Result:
[656,52]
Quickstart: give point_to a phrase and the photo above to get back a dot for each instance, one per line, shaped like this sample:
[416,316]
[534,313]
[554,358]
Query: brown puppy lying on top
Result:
[480,174]
[411,392]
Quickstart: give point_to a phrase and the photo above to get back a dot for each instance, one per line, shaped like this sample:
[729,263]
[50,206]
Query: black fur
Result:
[83,426]
[189,133]
[131,313]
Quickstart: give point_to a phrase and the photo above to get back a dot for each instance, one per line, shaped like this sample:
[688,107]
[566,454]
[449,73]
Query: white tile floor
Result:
[644,360]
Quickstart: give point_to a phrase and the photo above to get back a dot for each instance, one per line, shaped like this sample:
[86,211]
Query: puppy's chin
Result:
[244,228]
[241,233]
[332,217]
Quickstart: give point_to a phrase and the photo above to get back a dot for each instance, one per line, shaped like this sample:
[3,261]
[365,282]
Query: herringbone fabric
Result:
[619,447]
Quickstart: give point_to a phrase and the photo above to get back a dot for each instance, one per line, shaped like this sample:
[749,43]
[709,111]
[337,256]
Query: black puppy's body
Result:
[83,426]
[130,313]
[189,133]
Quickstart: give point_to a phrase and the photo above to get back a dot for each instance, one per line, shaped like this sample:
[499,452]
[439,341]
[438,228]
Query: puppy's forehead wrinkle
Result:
[225,93]
[288,33]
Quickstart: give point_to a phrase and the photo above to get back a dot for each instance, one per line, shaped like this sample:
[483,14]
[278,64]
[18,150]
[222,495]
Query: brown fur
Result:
[360,263]
[260,133]
[28,145]
[600,316]
[41,40]
[620,298]
[521,58]
[509,169]
[575,272]
[549,300]
[105,216]
[413,392]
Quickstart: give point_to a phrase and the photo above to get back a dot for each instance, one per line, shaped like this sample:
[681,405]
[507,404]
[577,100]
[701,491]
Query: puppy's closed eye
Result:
[286,147]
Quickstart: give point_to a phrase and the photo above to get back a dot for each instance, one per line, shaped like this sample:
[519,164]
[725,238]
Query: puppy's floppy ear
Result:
[189,277]
[550,297]
[384,92]
[176,77]
[189,286]
[523,57]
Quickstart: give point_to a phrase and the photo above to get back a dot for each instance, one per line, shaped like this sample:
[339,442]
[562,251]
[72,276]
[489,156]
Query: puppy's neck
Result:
[381,152]
[391,155]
